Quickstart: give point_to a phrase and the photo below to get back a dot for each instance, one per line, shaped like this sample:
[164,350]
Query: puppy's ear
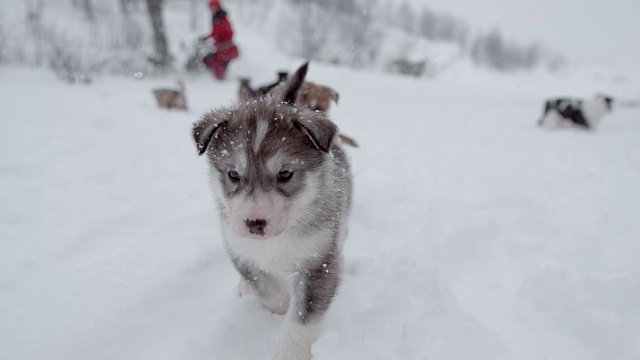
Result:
[282,76]
[205,128]
[334,95]
[609,101]
[293,85]
[320,130]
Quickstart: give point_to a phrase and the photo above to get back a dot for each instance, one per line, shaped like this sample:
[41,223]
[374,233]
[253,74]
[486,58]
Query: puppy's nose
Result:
[256,226]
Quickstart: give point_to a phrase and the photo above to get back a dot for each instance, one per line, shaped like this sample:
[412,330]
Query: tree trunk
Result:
[193,15]
[124,7]
[129,6]
[160,40]
[35,8]
[87,6]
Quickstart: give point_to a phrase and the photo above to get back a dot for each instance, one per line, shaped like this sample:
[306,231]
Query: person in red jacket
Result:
[222,35]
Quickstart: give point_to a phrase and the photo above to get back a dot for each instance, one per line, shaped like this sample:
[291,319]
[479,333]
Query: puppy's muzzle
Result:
[256,226]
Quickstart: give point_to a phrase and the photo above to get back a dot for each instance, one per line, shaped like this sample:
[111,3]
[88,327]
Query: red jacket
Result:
[221,31]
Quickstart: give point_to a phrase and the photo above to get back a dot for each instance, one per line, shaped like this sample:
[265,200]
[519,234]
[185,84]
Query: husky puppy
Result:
[283,189]
[583,113]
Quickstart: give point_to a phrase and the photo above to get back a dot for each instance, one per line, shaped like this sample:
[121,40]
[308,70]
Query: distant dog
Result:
[318,98]
[246,92]
[406,67]
[282,77]
[314,96]
[283,189]
[171,98]
[583,113]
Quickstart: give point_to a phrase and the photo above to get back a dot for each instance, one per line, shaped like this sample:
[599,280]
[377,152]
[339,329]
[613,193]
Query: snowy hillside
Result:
[361,34]
[474,234]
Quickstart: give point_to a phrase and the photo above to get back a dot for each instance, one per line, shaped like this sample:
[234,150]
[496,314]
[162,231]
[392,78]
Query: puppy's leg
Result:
[547,108]
[541,120]
[348,140]
[271,291]
[313,293]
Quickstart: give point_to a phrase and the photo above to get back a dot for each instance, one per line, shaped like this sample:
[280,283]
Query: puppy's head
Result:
[606,100]
[267,159]
[317,97]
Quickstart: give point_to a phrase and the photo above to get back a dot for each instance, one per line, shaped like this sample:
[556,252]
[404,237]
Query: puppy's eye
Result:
[234,176]
[284,176]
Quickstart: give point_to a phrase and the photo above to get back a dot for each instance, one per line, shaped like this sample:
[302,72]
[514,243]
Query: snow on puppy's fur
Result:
[283,188]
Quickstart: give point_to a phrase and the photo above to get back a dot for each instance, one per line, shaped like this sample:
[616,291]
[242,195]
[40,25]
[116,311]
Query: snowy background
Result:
[474,234]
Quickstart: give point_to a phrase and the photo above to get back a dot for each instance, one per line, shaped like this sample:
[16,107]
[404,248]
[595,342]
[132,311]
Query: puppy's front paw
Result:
[293,357]
[278,303]
[279,308]
[243,288]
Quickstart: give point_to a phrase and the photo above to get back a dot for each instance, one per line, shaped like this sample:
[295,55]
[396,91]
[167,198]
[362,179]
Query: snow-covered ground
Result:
[474,234]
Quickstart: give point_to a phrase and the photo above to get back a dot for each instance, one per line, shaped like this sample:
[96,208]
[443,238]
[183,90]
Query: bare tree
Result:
[492,50]
[495,51]
[3,41]
[345,7]
[162,57]
[87,7]
[358,30]
[128,6]
[405,18]
[131,30]
[125,7]
[35,8]
[313,35]
[193,14]
[427,24]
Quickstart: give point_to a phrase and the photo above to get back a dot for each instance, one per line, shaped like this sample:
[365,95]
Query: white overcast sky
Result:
[586,31]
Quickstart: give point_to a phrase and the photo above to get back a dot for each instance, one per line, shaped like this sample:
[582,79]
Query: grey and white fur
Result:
[586,114]
[283,188]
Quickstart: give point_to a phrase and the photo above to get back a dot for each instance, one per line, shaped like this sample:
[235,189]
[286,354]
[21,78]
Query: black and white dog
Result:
[283,188]
[583,113]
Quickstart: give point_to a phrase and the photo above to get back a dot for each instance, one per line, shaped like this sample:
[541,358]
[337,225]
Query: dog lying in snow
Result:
[583,113]
[283,188]
[171,98]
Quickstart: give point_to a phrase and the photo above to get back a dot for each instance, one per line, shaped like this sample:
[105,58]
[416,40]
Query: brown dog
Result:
[318,98]
[171,98]
[314,96]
